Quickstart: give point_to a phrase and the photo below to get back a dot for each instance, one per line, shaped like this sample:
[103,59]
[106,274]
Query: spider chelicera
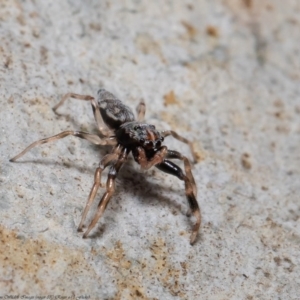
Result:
[119,128]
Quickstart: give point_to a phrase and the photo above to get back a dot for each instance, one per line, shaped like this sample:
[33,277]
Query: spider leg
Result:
[110,188]
[141,158]
[175,135]
[101,126]
[171,154]
[141,109]
[105,161]
[171,168]
[95,139]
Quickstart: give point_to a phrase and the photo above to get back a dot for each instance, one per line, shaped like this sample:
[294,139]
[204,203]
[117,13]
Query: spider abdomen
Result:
[114,113]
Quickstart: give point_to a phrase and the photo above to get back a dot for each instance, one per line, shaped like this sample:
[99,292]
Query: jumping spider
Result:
[118,127]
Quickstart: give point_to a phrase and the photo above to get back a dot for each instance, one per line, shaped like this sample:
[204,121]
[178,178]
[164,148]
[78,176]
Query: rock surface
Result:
[224,74]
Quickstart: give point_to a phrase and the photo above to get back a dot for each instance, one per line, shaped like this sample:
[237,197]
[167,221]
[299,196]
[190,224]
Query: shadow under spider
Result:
[145,188]
[103,150]
[72,165]
[133,182]
[99,230]
[147,192]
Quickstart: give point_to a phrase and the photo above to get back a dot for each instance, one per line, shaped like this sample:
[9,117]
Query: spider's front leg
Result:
[180,138]
[172,154]
[105,161]
[110,188]
[171,168]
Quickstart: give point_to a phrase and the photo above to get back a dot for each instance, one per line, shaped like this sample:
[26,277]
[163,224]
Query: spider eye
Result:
[142,140]
[162,138]
[137,127]
[158,144]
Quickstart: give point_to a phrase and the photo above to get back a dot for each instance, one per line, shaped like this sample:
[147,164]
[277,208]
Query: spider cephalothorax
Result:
[118,127]
[134,134]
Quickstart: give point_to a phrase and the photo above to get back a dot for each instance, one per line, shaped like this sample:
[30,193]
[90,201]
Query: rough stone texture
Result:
[226,75]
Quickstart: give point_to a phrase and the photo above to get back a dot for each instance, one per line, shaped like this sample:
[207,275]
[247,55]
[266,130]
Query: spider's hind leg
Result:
[171,168]
[101,126]
[95,139]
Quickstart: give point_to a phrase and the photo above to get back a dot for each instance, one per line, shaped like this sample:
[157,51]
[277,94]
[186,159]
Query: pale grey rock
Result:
[223,74]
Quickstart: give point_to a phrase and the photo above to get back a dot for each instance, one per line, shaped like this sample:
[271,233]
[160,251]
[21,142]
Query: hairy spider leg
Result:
[110,189]
[156,159]
[95,139]
[171,168]
[101,126]
[172,154]
[141,109]
[105,161]
[175,135]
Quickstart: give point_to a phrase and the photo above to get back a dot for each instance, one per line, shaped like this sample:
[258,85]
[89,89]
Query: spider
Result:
[119,128]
